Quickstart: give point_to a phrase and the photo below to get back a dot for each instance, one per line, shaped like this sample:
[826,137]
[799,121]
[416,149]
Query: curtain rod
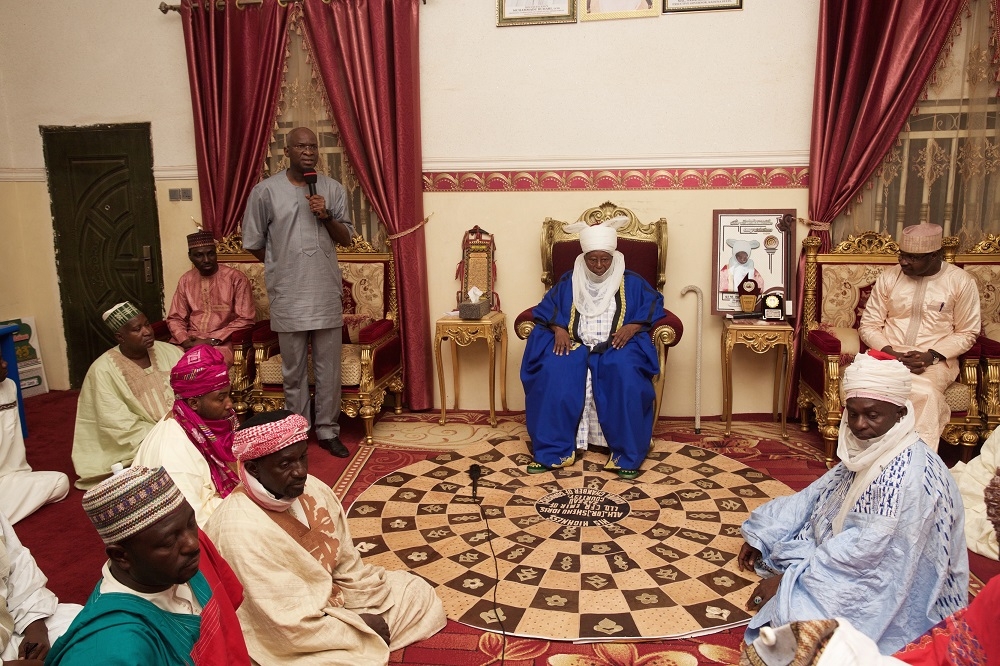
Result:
[221,4]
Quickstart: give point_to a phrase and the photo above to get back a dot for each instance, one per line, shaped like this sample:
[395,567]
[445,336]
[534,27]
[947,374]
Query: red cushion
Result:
[387,358]
[262,332]
[990,348]
[825,341]
[374,331]
[811,369]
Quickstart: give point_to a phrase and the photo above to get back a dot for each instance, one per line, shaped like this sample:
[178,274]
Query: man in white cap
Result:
[310,599]
[588,366]
[126,391]
[877,540]
[925,312]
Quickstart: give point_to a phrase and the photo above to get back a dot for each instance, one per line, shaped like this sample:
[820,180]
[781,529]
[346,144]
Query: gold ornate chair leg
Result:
[367,413]
[803,404]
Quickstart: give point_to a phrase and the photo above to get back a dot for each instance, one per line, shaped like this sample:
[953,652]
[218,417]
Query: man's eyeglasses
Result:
[305,146]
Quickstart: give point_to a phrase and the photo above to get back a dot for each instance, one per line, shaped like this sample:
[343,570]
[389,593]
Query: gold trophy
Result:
[749,290]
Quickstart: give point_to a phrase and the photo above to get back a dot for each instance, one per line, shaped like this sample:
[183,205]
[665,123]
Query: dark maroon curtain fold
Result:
[235,60]
[367,53]
[872,61]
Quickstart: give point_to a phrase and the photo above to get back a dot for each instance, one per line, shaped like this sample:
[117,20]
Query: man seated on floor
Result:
[925,312]
[309,597]
[166,596]
[22,491]
[968,636]
[211,302]
[877,540]
[126,391]
[194,441]
[973,478]
[31,617]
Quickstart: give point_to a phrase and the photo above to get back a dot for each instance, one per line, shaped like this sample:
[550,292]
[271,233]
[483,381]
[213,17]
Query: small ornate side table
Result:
[760,338]
[463,332]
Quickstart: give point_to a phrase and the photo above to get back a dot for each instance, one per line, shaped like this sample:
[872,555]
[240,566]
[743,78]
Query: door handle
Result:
[147,263]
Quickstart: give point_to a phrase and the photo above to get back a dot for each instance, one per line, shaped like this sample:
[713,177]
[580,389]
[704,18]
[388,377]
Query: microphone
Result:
[310,177]
[475,471]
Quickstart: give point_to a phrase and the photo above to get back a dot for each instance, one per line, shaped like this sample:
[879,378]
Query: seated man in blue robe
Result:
[588,366]
[878,540]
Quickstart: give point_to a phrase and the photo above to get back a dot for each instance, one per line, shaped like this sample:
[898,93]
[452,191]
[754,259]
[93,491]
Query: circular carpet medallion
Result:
[582,555]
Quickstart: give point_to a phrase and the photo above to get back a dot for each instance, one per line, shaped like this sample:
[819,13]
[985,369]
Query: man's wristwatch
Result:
[215,341]
[936,357]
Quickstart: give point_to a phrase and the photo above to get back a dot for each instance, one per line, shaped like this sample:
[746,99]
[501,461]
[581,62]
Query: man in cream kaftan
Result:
[119,404]
[309,598]
[933,313]
[306,584]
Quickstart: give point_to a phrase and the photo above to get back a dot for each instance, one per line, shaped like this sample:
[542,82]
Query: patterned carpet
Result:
[795,462]
[580,554]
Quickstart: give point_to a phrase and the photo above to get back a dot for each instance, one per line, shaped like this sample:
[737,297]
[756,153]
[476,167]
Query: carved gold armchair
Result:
[371,357]
[645,248]
[982,262]
[837,287]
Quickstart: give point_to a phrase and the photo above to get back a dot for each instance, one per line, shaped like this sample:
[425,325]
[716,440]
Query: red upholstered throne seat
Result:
[837,287]
[645,249]
[371,359]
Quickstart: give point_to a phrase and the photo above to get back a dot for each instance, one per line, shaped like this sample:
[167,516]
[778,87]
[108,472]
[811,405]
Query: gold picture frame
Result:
[678,6]
[535,12]
[596,10]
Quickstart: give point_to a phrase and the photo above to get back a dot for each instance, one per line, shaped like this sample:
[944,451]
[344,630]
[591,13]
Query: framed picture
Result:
[603,10]
[748,244]
[531,12]
[699,5]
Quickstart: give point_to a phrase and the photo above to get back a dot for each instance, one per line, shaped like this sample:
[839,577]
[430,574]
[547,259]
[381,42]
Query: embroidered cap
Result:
[921,238]
[119,315]
[200,239]
[268,433]
[130,501]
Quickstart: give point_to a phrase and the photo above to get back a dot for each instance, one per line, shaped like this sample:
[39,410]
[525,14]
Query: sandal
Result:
[536,468]
[628,474]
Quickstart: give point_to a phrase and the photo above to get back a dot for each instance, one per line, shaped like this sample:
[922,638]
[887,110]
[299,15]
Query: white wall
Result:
[730,87]
[705,89]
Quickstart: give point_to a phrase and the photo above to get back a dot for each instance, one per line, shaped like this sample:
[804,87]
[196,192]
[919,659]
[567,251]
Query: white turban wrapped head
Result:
[592,293]
[877,376]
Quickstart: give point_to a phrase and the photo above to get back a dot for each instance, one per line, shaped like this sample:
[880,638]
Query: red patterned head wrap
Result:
[201,370]
[254,441]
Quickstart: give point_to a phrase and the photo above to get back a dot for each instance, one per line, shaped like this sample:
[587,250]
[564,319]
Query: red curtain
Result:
[872,61]
[235,57]
[366,51]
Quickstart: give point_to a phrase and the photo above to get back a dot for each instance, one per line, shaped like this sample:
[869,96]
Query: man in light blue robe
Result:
[877,540]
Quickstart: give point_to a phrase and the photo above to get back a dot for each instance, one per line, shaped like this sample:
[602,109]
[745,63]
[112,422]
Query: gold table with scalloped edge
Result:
[759,338]
[461,333]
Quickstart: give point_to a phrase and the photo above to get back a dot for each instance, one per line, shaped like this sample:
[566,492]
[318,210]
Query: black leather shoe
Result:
[335,447]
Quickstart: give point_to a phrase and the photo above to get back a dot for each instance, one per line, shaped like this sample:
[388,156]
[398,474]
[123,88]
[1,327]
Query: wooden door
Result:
[107,231]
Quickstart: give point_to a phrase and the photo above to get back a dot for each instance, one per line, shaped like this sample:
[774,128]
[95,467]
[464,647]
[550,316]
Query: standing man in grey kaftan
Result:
[294,234]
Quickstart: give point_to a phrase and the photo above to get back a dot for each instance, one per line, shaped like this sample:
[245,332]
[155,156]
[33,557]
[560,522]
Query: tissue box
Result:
[467,310]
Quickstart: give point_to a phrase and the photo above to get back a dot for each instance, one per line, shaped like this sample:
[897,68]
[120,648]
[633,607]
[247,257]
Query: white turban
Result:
[603,236]
[593,294]
[887,380]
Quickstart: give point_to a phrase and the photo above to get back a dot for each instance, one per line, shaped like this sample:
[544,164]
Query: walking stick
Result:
[697,358]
